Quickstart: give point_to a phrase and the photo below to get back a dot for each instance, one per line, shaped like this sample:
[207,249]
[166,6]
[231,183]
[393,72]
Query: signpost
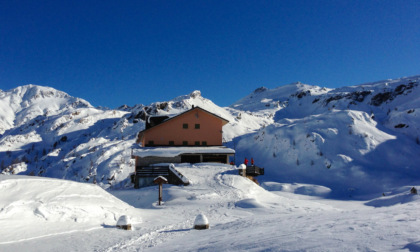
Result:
[160,181]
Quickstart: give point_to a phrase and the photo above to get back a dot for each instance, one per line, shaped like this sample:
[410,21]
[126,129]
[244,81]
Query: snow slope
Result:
[354,140]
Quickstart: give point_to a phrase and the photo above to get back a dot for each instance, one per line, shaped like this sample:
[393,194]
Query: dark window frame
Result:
[197,143]
[184,143]
[197,126]
[204,143]
[171,143]
[185,125]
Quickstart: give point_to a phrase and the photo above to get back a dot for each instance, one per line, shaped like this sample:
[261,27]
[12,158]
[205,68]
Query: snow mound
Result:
[249,203]
[201,219]
[123,220]
[304,189]
[28,203]
[395,198]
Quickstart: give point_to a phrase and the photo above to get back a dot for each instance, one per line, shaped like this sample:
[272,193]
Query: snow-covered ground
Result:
[56,215]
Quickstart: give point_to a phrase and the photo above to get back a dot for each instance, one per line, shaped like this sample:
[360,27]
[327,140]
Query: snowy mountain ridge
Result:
[340,138]
[21,104]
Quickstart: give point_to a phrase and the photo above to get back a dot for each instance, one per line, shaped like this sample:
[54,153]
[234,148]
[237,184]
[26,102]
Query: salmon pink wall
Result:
[210,130]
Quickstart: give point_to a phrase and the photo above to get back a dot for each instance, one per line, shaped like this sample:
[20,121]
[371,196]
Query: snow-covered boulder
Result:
[242,170]
[201,222]
[124,222]
[242,166]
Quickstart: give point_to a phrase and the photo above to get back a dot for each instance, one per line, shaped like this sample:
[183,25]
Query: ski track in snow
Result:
[50,235]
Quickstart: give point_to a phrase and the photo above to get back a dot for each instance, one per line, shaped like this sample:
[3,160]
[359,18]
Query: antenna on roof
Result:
[192,106]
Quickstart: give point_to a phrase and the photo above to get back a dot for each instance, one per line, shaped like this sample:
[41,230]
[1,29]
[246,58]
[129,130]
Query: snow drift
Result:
[38,207]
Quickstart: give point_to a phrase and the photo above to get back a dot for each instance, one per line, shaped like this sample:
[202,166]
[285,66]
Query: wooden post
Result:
[160,193]
[160,181]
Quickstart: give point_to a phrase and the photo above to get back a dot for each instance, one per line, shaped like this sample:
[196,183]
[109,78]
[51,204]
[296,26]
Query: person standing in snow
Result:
[246,161]
[252,161]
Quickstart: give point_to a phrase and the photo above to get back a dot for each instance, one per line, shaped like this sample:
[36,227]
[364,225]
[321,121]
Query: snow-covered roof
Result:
[161,178]
[176,151]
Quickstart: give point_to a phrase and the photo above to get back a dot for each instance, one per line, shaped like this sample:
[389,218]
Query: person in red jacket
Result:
[246,161]
[252,161]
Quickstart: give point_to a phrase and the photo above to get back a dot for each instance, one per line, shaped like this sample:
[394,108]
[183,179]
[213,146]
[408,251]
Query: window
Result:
[204,143]
[184,142]
[171,143]
[197,126]
[197,143]
[185,126]
[151,143]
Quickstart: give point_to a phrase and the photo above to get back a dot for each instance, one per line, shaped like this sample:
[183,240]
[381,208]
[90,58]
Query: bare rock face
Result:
[195,94]
[402,89]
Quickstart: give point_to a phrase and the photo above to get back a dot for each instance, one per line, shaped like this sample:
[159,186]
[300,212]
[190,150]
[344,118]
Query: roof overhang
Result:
[176,151]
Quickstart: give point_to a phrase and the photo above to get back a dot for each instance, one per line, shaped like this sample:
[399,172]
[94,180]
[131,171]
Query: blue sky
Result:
[128,52]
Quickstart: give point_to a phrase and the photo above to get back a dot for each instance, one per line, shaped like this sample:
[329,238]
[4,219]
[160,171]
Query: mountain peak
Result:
[24,103]
[195,93]
[260,90]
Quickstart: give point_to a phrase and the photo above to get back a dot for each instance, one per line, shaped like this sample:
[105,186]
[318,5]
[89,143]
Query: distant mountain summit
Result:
[272,99]
[21,104]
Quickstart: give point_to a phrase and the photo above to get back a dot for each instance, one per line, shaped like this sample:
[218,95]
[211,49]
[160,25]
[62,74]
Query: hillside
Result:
[354,140]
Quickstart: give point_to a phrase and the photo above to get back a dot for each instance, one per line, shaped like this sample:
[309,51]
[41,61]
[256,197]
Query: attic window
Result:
[197,143]
[185,126]
[197,126]
[184,143]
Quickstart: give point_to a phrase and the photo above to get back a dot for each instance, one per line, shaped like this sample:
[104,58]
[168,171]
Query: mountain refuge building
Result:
[194,136]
